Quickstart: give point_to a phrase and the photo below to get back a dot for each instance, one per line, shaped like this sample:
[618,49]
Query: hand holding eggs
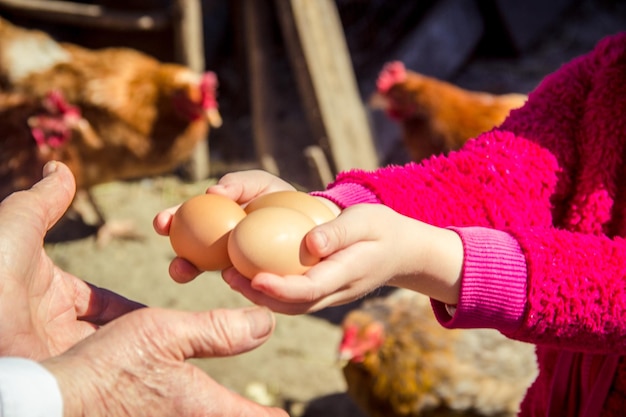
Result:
[268,236]
[200,228]
[271,239]
[295,200]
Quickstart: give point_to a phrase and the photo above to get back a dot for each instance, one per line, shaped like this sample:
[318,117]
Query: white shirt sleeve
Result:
[27,389]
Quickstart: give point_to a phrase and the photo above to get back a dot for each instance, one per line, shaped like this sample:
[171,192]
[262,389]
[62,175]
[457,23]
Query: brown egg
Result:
[296,200]
[200,228]
[270,239]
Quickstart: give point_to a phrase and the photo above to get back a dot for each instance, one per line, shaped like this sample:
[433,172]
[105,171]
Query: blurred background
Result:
[295,85]
[496,46]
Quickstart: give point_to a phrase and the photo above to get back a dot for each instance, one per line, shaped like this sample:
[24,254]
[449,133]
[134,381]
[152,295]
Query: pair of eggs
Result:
[267,235]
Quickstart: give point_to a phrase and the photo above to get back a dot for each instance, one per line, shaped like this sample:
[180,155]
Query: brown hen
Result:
[437,116]
[403,363]
[147,116]
[35,131]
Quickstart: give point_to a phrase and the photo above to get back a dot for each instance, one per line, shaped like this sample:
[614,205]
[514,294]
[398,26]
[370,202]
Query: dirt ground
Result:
[296,369]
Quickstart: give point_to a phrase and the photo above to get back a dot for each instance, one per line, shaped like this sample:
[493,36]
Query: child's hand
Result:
[366,247]
[242,187]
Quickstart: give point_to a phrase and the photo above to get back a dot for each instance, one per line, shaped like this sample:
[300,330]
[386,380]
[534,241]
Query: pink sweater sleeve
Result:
[493,290]
[493,285]
[539,204]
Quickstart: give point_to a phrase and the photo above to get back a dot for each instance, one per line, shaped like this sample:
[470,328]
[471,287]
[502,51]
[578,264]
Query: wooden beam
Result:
[89,15]
[189,35]
[319,55]
[256,18]
[189,41]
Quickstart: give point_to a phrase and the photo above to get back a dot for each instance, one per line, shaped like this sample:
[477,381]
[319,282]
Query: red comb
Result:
[391,74]
[49,131]
[56,104]
[208,86]
[349,337]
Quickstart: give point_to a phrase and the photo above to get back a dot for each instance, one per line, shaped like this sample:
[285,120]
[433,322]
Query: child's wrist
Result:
[444,264]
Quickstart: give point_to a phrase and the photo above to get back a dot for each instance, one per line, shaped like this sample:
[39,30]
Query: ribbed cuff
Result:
[348,194]
[27,389]
[493,282]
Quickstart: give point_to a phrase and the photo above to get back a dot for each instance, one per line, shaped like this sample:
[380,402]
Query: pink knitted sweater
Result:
[540,205]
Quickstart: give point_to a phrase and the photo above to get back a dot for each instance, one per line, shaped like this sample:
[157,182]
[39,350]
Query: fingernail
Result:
[320,239]
[261,321]
[217,186]
[49,168]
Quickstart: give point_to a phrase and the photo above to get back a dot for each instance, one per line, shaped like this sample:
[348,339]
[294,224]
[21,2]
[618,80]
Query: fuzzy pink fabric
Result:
[540,204]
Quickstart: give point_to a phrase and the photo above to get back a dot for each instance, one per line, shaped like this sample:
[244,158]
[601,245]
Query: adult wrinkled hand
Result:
[49,310]
[136,365]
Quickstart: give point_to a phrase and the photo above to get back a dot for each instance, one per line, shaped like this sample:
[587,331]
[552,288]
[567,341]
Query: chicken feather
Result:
[401,362]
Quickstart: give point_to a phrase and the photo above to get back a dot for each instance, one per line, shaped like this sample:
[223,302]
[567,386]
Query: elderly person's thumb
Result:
[47,200]
[136,364]
[57,188]
[219,333]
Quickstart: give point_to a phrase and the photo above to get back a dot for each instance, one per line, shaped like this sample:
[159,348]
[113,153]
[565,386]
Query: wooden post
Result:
[320,58]
[256,17]
[189,34]
[189,41]
[88,15]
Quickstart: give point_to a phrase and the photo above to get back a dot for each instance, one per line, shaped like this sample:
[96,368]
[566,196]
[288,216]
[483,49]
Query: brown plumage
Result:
[437,116]
[35,131]
[403,363]
[145,116]
[148,115]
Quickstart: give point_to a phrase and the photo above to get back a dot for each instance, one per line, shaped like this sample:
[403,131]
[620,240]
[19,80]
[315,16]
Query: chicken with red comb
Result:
[148,115]
[139,117]
[35,131]
[437,116]
[400,362]
[392,73]
[56,124]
